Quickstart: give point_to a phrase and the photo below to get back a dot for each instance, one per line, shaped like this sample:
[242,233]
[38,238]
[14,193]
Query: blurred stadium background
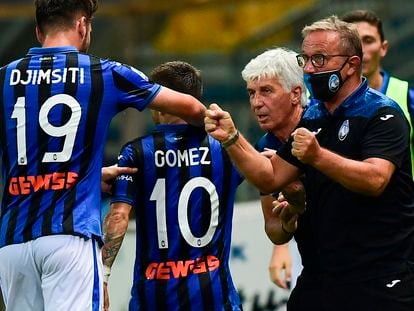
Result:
[217,36]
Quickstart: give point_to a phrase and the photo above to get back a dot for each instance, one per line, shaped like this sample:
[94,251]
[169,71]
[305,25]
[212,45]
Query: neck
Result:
[62,38]
[284,132]
[375,80]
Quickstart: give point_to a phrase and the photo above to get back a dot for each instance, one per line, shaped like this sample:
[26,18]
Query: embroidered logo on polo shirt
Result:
[343,130]
[392,284]
[386,117]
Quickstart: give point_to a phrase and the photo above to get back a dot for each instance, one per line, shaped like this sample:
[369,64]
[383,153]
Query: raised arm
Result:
[268,175]
[179,104]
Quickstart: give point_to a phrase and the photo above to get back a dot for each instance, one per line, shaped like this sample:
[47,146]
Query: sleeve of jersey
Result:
[124,188]
[387,136]
[133,87]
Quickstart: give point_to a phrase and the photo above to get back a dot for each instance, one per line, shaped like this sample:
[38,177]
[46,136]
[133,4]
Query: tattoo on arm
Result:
[114,227]
[111,249]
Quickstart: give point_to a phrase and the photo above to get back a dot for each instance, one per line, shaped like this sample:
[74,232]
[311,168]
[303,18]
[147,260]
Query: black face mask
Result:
[324,85]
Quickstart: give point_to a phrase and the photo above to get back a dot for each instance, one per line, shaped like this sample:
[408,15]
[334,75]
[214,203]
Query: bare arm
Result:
[273,223]
[114,227]
[369,177]
[179,104]
[266,174]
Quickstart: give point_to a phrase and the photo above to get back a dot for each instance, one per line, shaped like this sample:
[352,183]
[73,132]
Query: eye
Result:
[318,59]
[301,59]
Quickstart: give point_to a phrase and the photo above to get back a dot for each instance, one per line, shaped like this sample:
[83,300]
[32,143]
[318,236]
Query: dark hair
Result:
[365,16]
[179,76]
[61,13]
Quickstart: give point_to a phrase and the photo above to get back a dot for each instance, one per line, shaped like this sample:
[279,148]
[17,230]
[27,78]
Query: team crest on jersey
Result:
[343,130]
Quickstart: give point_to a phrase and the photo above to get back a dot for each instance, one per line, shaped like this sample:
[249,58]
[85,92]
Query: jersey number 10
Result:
[159,194]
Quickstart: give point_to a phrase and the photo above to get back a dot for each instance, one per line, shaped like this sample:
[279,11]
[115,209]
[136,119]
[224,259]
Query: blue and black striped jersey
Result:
[56,106]
[183,196]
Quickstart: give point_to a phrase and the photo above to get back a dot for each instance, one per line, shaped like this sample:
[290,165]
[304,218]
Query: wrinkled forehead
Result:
[263,81]
[321,41]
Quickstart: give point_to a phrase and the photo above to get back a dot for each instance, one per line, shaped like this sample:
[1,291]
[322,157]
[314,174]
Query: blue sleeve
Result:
[124,188]
[132,86]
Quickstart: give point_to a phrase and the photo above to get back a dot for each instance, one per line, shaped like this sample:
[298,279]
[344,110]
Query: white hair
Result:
[280,64]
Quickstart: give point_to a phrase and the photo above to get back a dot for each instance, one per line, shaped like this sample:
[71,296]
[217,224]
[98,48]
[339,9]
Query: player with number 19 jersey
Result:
[183,197]
[56,106]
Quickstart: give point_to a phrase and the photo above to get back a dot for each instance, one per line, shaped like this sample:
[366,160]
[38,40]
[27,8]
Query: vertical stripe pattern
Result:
[56,106]
[186,176]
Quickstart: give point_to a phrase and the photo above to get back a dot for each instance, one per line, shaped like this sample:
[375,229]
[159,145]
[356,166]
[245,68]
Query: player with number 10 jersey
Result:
[183,196]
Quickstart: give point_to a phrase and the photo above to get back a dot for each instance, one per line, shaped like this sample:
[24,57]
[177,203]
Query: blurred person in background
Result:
[356,235]
[183,198]
[375,48]
[277,97]
[56,104]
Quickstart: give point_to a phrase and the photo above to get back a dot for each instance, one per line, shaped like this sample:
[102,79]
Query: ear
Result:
[82,27]
[384,48]
[354,64]
[39,35]
[295,95]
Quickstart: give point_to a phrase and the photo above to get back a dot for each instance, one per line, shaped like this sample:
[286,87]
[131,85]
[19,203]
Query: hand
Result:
[268,153]
[294,193]
[106,296]
[219,124]
[284,211]
[109,173]
[305,146]
[280,267]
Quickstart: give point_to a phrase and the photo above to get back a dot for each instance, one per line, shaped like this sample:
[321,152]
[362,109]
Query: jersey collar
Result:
[52,50]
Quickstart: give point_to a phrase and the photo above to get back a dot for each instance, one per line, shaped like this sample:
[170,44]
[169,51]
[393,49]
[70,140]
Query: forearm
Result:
[179,104]
[273,223]
[369,177]
[256,168]
[115,227]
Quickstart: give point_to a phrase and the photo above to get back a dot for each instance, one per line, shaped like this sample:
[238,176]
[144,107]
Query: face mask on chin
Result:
[323,86]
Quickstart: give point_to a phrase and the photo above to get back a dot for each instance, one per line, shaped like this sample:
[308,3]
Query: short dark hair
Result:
[365,16]
[178,76]
[61,13]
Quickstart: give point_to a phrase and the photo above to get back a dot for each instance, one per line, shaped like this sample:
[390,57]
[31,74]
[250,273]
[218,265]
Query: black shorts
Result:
[391,293]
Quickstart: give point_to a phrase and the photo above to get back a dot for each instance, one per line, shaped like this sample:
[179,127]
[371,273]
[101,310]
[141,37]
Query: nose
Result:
[309,68]
[255,101]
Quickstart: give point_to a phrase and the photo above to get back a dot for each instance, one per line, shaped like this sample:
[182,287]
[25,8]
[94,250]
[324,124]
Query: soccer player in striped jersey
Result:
[56,104]
[183,196]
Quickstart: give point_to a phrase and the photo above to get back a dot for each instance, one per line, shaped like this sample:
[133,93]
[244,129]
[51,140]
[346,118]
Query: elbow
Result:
[116,223]
[267,185]
[274,234]
[377,187]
